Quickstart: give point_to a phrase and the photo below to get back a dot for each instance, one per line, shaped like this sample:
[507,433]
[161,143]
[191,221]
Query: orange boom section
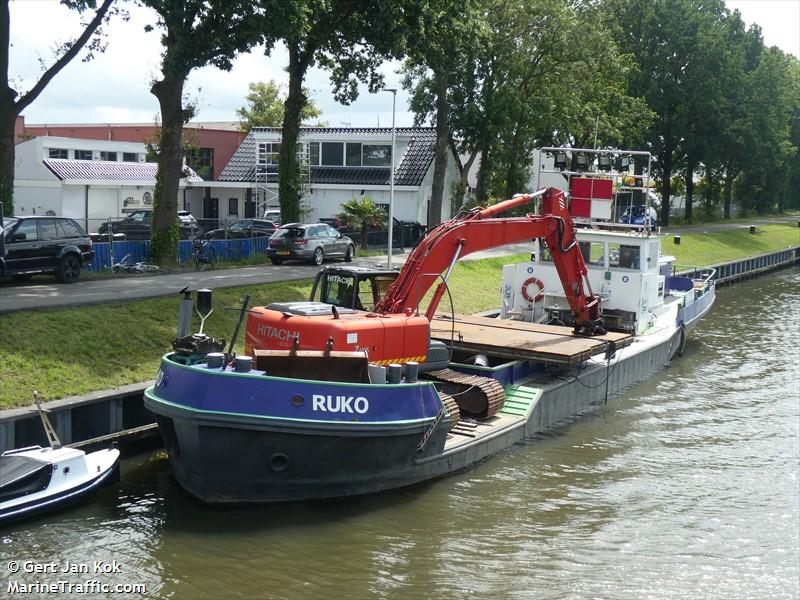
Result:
[386,339]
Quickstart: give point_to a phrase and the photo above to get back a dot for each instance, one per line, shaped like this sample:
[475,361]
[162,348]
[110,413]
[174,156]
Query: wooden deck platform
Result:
[519,340]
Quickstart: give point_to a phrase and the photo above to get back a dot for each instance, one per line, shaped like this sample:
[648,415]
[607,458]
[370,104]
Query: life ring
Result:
[539,296]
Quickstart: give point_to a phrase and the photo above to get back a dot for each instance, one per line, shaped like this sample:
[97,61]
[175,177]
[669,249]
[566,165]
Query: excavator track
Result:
[451,406]
[476,396]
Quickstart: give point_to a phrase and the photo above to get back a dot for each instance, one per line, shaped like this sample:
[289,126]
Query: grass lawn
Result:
[701,249]
[70,351]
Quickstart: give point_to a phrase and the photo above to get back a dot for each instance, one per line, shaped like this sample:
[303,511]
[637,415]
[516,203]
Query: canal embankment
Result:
[119,415]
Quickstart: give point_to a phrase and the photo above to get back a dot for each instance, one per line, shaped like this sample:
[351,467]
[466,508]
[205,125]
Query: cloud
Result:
[115,86]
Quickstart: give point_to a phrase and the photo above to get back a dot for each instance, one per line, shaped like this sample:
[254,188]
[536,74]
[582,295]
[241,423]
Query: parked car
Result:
[635,215]
[314,242]
[136,226]
[244,229]
[40,244]
[274,215]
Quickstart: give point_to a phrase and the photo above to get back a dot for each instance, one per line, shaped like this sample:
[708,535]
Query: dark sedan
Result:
[244,229]
[314,243]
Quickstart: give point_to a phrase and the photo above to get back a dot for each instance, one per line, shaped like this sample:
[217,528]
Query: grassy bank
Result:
[65,352]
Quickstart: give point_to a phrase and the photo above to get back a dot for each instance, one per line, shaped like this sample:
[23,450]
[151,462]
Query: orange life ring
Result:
[525,293]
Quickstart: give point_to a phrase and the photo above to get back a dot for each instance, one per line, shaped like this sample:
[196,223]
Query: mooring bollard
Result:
[677,240]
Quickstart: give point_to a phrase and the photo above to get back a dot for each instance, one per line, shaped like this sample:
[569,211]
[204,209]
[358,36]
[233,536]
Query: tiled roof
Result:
[410,170]
[107,170]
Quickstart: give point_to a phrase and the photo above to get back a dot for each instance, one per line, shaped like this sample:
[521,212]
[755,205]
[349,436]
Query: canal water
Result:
[683,487]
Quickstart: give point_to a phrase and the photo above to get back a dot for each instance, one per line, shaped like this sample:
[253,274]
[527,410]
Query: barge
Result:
[356,391]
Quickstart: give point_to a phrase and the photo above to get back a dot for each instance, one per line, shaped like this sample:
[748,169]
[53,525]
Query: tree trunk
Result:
[666,188]
[484,172]
[7,118]
[440,164]
[728,192]
[690,164]
[164,232]
[288,167]
[463,181]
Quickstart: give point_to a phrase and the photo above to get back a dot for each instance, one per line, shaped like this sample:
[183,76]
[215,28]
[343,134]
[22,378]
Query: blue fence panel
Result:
[139,251]
[231,250]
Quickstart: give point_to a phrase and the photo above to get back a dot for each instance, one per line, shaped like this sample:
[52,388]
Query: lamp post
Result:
[391,182]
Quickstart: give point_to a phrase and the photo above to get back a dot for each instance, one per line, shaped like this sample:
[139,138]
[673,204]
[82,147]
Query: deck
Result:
[518,340]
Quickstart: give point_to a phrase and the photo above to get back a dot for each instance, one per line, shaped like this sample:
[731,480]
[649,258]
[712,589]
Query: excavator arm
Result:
[477,230]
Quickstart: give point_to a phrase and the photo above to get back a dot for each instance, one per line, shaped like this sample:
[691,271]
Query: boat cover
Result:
[21,475]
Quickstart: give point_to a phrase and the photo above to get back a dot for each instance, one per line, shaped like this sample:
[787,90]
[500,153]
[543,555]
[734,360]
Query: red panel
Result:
[581,207]
[590,188]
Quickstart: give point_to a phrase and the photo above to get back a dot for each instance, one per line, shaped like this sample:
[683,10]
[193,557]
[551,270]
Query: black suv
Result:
[30,245]
[136,226]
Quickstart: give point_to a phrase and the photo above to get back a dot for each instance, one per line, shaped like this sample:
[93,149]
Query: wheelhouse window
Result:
[58,153]
[623,256]
[593,253]
[83,155]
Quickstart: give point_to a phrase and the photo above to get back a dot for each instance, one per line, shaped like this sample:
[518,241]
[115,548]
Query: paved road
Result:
[43,292]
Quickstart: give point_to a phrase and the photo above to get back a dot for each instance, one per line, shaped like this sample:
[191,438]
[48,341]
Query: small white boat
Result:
[35,479]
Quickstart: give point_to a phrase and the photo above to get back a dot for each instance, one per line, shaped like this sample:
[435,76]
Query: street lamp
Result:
[391,183]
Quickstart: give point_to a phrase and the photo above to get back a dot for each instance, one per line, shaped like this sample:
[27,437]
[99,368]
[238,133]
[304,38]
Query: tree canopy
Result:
[13,101]
[264,107]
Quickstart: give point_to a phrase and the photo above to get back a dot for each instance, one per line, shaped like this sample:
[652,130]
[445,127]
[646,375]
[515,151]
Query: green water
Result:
[683,487]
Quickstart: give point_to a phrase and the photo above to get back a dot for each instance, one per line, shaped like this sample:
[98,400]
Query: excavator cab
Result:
[350,286]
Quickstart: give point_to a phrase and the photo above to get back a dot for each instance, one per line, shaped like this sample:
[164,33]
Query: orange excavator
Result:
[394,331]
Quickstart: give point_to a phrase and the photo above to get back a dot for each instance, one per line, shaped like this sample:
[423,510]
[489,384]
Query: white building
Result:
[88,180]
[340,164]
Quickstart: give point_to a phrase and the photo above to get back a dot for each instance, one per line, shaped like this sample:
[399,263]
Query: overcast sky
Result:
[114,87]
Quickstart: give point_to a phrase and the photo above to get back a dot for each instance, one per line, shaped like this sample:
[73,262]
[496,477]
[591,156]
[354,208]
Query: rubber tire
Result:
[69,269]
[351,252]
[213,257]
[318,258]
[276,261]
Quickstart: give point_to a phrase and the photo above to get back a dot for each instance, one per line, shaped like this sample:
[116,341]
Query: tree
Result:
[350,38]
[195,33]
[431,62]
[664,37]
[362,215]
[265,107]
[13,102]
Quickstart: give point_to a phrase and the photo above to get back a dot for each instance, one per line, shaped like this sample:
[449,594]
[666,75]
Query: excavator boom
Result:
[480,229]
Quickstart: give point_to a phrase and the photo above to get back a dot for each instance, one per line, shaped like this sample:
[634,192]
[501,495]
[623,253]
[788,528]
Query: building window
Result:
[59,153]
[377,155]
[333,154]
[313,153]
[233,206]
[353,155]
[130,157]
[249,209]
[112,156]
[201,160]
[268,153]
[83,155]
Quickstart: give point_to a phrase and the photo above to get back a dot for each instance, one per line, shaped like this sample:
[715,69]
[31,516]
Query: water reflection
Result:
[684,487]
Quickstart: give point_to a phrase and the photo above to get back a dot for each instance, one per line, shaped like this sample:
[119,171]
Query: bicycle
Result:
[204,254]
[138,267]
